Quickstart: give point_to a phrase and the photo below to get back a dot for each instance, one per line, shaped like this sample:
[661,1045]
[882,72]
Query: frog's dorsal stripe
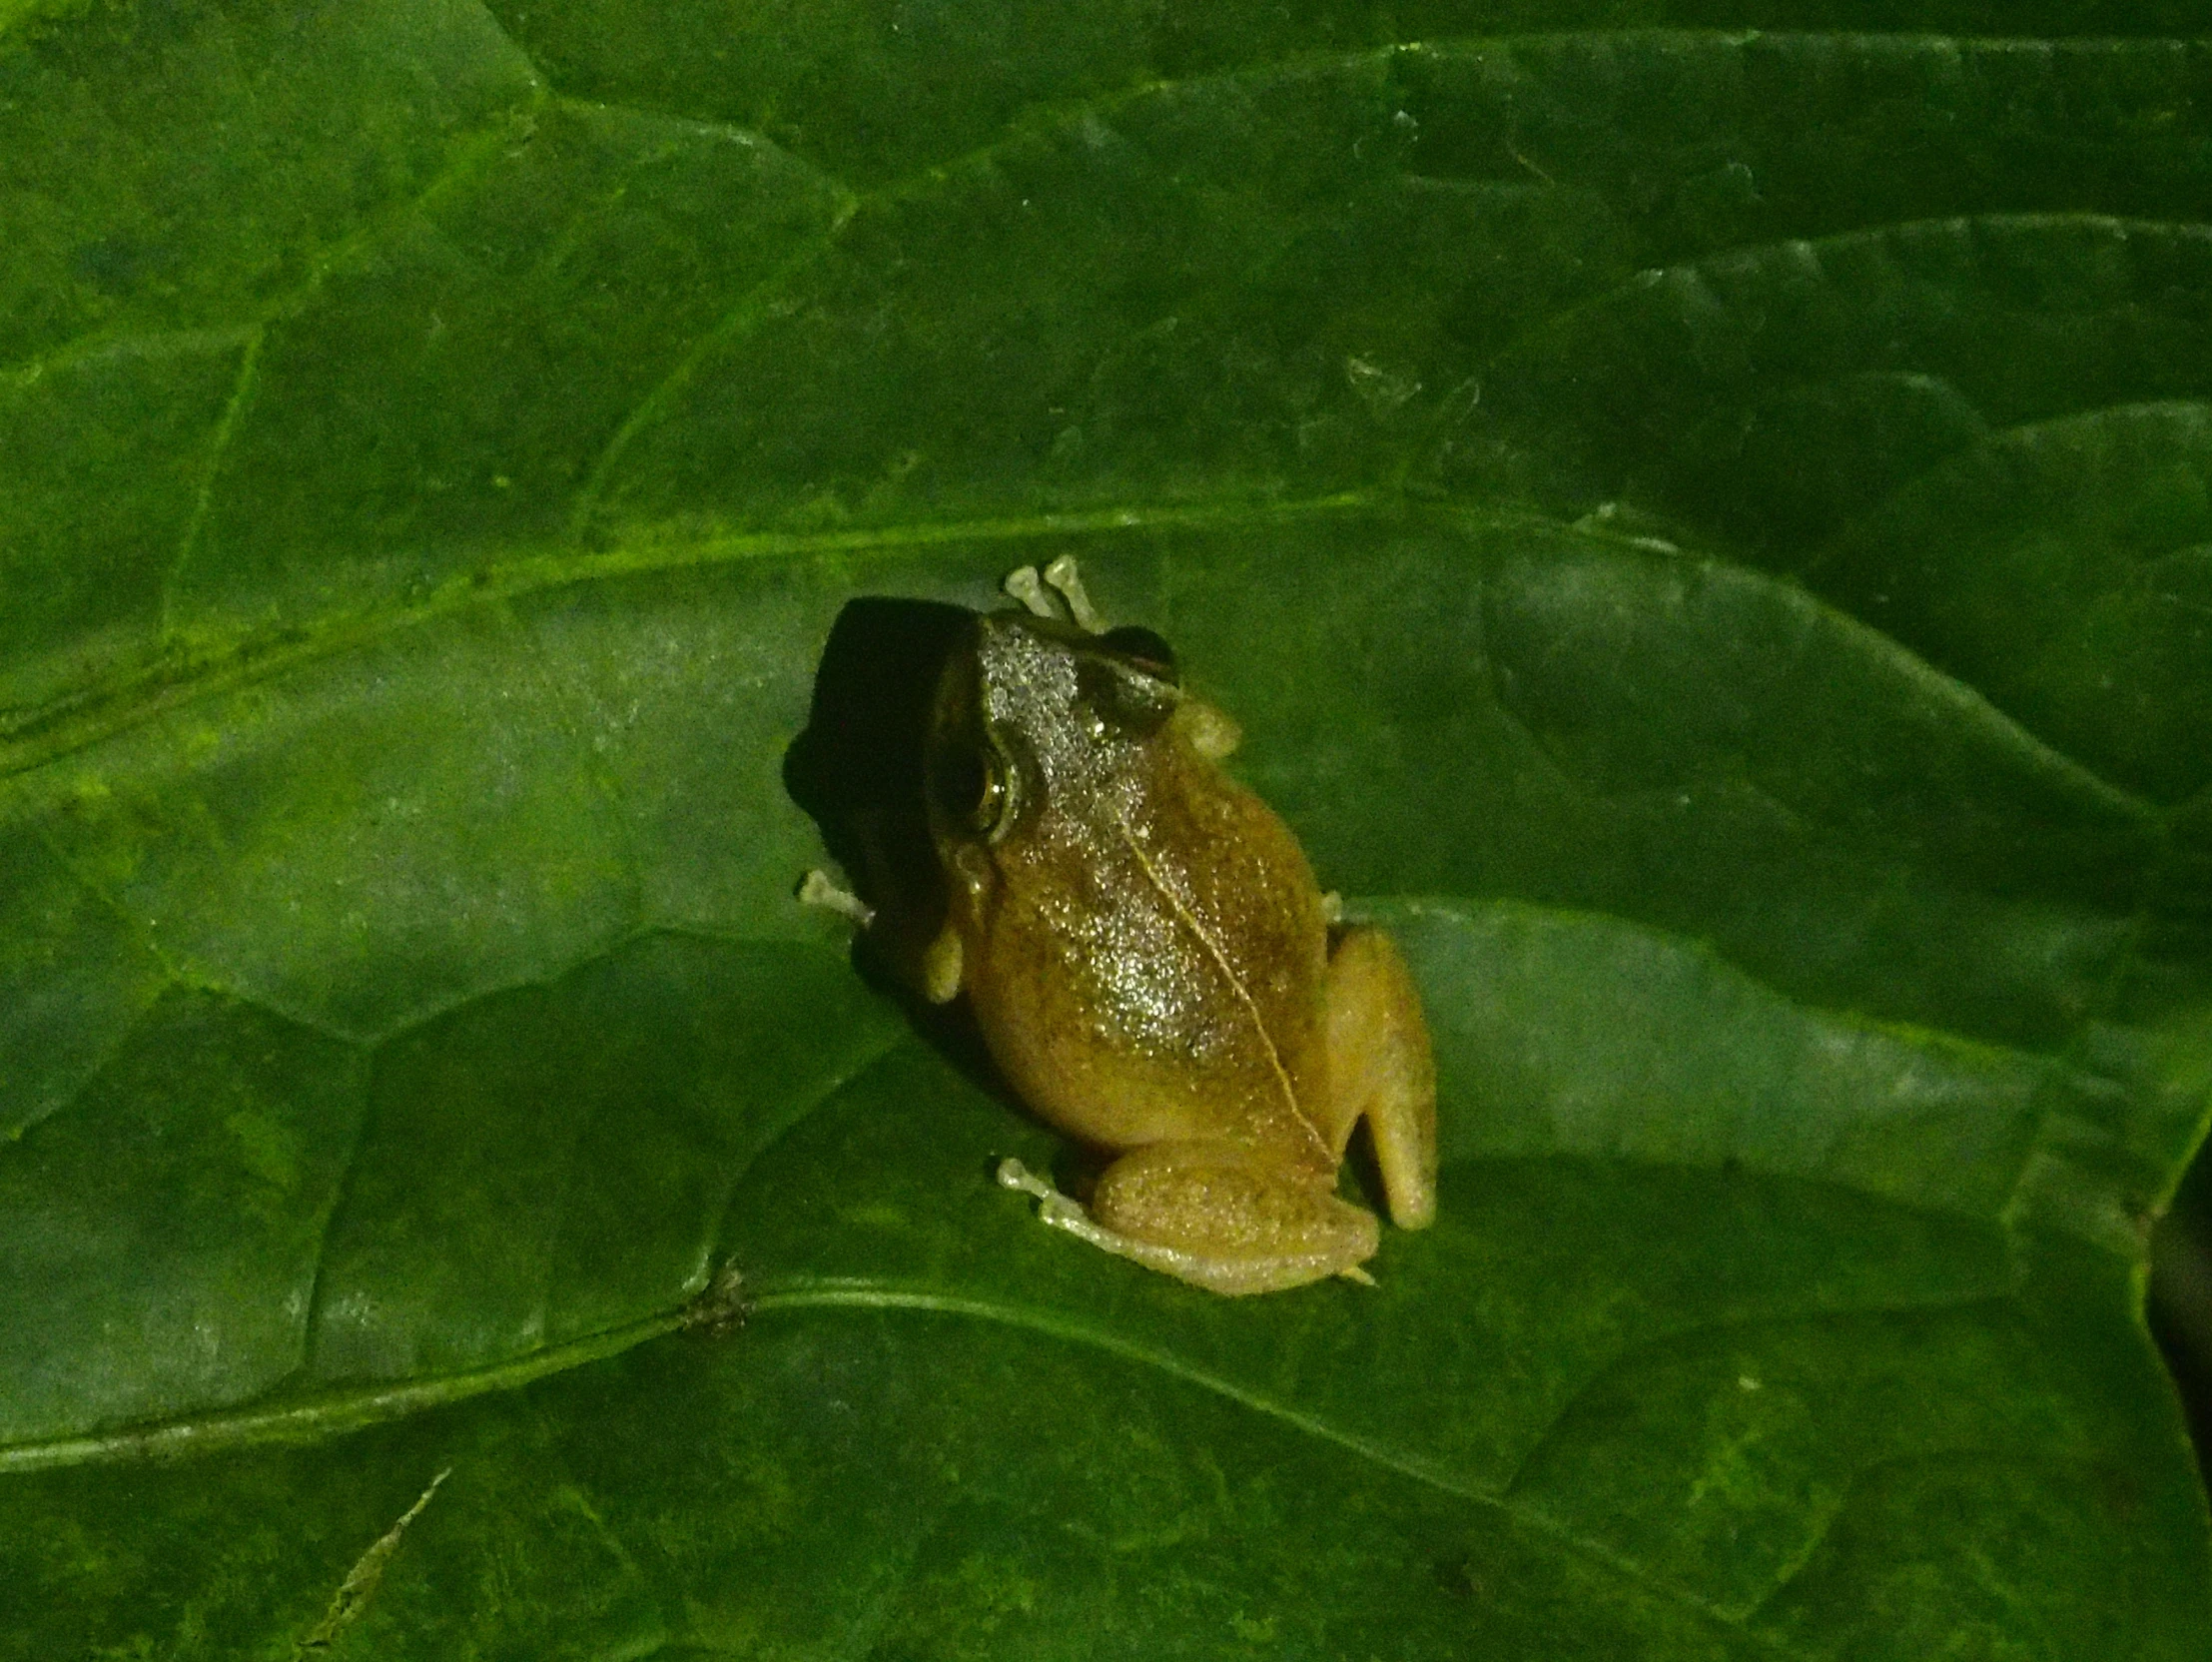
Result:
[1196,926]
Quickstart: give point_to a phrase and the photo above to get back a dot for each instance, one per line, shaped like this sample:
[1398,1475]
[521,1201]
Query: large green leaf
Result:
[1706,533]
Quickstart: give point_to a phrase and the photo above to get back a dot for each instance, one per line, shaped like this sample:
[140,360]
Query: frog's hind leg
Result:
[1207,1213]
[1380,1070]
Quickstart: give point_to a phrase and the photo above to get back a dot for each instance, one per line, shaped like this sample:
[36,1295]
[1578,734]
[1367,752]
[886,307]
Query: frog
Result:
[1150,959]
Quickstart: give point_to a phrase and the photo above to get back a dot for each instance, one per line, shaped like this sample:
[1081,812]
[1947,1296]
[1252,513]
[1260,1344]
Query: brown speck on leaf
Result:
[360,1585]
[721,1308]
[1456,1578]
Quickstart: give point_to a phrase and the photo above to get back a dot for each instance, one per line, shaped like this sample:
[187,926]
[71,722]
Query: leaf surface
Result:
[1702,518]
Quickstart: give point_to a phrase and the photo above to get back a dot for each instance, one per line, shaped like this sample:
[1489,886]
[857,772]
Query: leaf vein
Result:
[514,45]
[1817,250]
[871,1296]
[43,737]
[758,302]
[203,497]
[1647,1343]
[321,1416]
[310,1315]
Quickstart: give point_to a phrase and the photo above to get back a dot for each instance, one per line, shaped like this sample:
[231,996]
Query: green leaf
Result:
[1706,535]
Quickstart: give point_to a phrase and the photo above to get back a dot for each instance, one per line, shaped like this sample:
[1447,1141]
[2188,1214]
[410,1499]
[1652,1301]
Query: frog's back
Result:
[1155,973]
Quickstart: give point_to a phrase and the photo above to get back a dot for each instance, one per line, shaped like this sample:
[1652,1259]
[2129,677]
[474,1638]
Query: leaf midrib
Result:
[336,1413]
[183,676]
[37,741]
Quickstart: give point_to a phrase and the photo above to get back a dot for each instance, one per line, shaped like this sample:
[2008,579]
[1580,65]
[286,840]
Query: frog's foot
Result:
[1214,1221]
[1053,1208]
[1024,586]
[1038,591]
[817,888]
[1064,576]
[1212,733]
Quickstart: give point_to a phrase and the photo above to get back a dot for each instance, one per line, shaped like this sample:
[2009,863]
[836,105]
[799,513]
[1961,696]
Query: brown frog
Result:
[1151,961]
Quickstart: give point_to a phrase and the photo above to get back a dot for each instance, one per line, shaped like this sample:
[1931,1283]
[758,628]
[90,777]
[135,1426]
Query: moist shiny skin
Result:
[1151,964]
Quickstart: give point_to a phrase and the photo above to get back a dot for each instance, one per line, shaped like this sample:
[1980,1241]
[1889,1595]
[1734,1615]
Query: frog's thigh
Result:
[1213,1217]
[1380,1069]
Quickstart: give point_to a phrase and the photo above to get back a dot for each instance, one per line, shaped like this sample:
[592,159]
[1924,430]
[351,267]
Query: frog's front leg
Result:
[1381,1070]
[930,962]
[822,890]
[1211,1215]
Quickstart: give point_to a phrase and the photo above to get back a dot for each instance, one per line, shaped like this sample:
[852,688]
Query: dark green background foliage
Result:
[1705,513]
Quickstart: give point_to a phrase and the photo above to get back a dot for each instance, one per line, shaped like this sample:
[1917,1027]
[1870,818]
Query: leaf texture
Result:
[1703,519]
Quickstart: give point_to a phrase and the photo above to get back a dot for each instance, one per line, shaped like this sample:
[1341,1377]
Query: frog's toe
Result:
[1064,576]
[819,889]
[1023,585]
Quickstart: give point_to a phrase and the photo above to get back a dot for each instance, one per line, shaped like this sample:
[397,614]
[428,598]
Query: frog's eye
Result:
[1132,698]
[969,784]
[1146,650]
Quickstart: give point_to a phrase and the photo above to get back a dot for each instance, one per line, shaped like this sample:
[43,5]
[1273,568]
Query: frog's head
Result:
[1033,710]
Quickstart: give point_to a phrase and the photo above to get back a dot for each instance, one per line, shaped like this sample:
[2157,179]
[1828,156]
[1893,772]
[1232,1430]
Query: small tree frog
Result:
[1150,962]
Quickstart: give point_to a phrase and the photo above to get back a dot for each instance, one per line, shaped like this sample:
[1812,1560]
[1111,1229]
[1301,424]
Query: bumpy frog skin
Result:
[1151,963]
